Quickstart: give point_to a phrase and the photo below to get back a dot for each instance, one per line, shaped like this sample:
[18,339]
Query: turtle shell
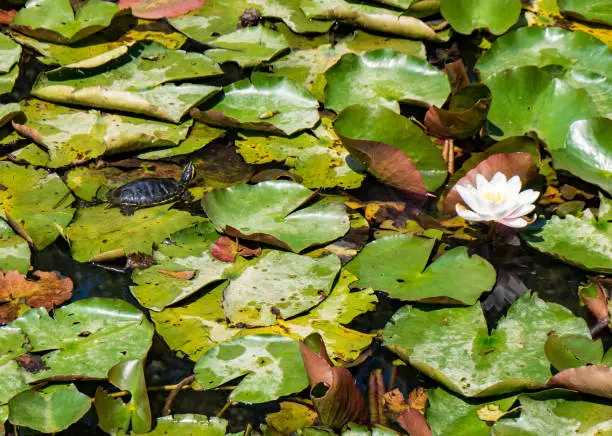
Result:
[146,192]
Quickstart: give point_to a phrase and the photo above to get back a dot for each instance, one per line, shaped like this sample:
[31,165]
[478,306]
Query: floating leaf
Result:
[199,326]
[468,15]
[320,160]
[265,103]
[598,11]
[132,79]
[450,415]
[369,17]
[49,410]
[592,379]
[17,294]
[384,77]
[572,351]
[247,47]
[396,264]
[272,365]
[587,152]
[218,17]
[72,136]
[124,31]
[453,346]
[14,250]
[585,241]
[291,417]
[529,99]
[558,415]
[391,144]
[99,233]
[160,8]
[200,135]
[10,53]
[189,251]
[188,424]
[273,218]
[34,202]
[8,111]
[54,20]
[333,390]
[278,285]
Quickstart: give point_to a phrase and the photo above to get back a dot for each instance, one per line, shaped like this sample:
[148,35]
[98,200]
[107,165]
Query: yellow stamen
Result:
[494,196]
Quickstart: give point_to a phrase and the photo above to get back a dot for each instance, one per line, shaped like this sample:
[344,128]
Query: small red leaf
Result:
[592,379]
[7,16]
[185,275]
[414,423]
[160,8]
[224,249]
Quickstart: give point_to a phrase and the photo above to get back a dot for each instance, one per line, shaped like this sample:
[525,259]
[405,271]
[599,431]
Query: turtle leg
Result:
[127,209]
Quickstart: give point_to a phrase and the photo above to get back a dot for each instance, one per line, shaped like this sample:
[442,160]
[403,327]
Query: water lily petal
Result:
[528,196]
[521,211]
[467,214]
[516,223]
[498,180]
[481,182]
[469,196]
[514,186]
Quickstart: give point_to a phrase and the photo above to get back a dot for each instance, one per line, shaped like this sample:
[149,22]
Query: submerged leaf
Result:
[49,410]
[272,365]
[453,346]
[273,216]
[17,294]
[396,265]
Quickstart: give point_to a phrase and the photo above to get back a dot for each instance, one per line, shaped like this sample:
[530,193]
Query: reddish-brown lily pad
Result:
[153,9]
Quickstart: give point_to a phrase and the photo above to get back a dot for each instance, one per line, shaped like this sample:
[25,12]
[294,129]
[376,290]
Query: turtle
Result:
[150,192]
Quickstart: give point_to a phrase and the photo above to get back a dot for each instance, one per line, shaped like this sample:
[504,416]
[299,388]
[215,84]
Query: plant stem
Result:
[174,392]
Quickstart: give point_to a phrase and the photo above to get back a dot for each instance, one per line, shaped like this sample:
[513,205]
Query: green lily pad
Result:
[31,154]
[188,424]
[49,410]
[133,79]
[374,124]
[467,15]
[248,47]
[198,326]
[10,53]
[8,112]
[309,59]
[541,47]
[218,17]
[272,364]
[367,16]
[273,216]
[529,99]
[266,103]
[199,137]
[451,415]
[279,285]
[113,416]
[14,250]
[73,136]
[453,346]
[35,203]
[598,11]
[54,20]
[396,264]
[320,159]
[587,152]
[129,376]
[14,379]
[155,287]
[572,351]
[384,77]
[585,242]
[559,416]
[122,32]
[99,233]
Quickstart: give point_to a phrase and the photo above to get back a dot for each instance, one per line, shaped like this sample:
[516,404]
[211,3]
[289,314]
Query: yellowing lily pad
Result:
[278,285]
[133,79]
[272,364]
[396,264]
[99,233]
[10,52]
[72,136]
[14,250]
[188,424]
[454,347]
[35,203]
[266,103]
[384,77]
[273,216]
[54,20]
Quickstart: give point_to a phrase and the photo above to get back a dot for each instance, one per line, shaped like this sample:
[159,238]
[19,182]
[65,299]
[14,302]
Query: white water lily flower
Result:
[498,200]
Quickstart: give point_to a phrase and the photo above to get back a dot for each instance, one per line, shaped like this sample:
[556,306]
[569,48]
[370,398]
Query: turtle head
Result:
[188,174]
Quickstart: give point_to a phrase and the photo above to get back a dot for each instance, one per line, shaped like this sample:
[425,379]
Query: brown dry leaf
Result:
[414,423]
[224,249]
[139,261]
[154,9]
[592,379]
[417,399]
[598,306]
[185,275]
[30,362]
[551,196]
[394,402]
[333,391]
[457,75]
[510,164]
[376,394]
[6,16]
[17,292]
